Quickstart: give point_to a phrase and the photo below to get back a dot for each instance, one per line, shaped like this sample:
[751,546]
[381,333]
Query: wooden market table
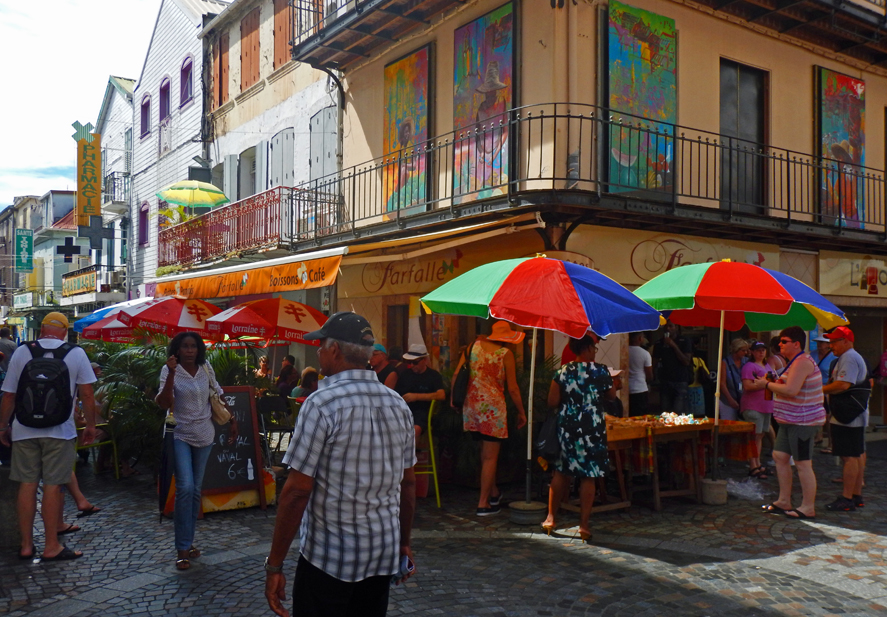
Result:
[638,439]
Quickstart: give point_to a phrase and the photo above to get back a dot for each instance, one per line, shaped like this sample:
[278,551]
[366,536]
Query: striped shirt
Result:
[191,407]
[355,437]
[805,408]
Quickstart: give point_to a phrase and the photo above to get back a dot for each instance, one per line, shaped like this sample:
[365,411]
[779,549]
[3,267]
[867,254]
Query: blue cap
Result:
[380,347]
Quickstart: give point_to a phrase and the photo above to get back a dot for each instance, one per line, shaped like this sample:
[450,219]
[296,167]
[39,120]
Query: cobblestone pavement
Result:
[687,560]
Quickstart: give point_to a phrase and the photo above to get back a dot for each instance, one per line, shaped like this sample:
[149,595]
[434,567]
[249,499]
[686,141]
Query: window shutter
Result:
[223,72]
[281,33]
[261,166]
[230,177]
[217,70]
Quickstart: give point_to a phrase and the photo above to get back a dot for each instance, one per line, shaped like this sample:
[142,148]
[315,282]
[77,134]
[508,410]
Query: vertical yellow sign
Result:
[89,179]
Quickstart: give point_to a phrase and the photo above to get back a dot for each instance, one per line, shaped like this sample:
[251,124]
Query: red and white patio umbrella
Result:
[110,330]
[170,315]
[270,318]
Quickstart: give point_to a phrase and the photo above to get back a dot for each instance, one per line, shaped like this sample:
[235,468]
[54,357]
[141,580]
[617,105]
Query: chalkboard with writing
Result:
[238,466]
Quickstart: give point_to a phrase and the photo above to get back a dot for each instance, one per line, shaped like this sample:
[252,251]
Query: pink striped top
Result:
[805,408]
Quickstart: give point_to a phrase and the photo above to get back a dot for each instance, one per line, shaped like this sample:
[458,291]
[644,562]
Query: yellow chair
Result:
[110,441]
[422,469]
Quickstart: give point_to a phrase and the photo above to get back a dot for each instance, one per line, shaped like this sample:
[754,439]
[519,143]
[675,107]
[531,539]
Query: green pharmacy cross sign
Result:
[24,250]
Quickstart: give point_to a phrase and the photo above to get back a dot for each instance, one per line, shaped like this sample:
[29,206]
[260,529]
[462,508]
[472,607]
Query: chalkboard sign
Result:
[236,467]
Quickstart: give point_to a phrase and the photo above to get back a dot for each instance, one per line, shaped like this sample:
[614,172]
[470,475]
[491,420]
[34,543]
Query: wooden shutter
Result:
[223,71]
[217,69]
[249,49]
[282,32]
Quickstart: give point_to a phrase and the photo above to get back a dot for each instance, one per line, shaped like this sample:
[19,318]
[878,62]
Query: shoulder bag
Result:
[221,415]
[848,405]
[460,385]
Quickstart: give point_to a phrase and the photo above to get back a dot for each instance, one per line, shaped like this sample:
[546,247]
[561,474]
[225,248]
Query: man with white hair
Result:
[351,478]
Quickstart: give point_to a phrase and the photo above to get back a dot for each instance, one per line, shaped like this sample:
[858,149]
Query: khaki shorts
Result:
[43,458]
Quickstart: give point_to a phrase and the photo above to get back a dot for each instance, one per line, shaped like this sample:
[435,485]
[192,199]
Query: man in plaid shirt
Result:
[351,487]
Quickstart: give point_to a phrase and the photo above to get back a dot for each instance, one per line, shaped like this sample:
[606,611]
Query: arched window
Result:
[164,99]
[143,224]
[145,116]
[186,79]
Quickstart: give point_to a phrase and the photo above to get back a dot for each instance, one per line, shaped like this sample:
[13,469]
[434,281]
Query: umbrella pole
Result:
[530,417]
[714,466]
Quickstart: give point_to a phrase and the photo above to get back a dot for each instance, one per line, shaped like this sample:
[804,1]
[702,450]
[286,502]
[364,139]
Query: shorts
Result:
[760,420]
[796,440]
[43,458]
[847,440]
[420,419]
[481,437]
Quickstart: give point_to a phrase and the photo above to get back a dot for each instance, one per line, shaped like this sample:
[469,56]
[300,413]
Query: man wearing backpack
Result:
[40,388]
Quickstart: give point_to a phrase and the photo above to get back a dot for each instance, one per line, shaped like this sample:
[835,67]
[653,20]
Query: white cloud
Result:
[58,56]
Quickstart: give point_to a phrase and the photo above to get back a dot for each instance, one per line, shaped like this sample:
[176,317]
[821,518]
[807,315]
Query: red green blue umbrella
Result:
[538,292]
[762,299]
[728,295]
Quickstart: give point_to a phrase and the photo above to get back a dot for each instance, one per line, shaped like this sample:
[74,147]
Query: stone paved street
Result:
[688,560]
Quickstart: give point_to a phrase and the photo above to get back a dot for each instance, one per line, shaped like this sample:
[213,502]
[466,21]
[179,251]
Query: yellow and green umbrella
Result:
[193,194]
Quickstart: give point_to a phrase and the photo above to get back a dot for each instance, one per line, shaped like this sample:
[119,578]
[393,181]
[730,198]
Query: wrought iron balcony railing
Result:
[249,224]
[115,188]
[540,152]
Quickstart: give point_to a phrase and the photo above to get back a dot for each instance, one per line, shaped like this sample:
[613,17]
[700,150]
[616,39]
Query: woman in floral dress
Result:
[483,412]
[577,392]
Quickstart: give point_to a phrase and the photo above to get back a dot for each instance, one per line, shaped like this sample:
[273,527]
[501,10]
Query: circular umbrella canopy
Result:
[194,194]
[696,294]
[551,294]
[108,329]
[268,318]
[101,313]
[169,316]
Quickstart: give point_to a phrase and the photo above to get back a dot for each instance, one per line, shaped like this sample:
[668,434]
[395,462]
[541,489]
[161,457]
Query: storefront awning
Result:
[291,273]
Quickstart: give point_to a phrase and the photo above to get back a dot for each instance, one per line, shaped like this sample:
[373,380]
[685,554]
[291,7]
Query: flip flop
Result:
[773,509]
[89,511]
[64,555]
[69,529]
[194,552]
[798,515]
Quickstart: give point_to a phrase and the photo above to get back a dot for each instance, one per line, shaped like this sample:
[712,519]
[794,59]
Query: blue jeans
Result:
[190,465]
[673,396]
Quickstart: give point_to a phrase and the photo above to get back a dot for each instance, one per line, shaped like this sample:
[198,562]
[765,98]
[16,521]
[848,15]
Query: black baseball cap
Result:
[346,327]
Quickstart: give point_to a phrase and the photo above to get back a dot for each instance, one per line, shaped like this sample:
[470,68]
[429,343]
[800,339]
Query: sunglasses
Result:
[785,341]
[412,362]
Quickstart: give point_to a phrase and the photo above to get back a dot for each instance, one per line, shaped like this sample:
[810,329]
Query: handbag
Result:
[546,441]
[460,384]
[851,403]
[220,413]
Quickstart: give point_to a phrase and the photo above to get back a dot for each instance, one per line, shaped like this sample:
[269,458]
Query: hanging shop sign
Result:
[849,274]
[24,250]
[635,257]
[21,301]
[89,176]
[83,283]
[309,274]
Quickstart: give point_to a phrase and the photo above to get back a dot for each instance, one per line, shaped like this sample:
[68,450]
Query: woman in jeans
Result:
[186,381]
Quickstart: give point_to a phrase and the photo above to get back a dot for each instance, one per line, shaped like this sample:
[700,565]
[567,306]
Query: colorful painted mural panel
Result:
[842,146]
[642,61]
[482,96]
[406,83]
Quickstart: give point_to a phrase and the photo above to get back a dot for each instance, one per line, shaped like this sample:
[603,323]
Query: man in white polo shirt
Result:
[46,454]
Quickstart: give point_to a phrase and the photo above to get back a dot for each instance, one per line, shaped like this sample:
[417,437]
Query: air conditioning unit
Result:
[118,279]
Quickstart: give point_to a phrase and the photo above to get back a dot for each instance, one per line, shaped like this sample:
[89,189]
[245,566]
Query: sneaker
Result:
[495,501]
[494,510]
[841,504]
[858,501]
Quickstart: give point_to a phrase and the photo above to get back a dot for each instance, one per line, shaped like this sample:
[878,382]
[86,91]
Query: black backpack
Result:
[43,398]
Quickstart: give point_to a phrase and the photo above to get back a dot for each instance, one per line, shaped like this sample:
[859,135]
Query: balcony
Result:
[115,193]
[335,33]
[257,224]
[572,162]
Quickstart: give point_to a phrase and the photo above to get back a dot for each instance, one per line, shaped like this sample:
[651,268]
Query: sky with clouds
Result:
[58,56]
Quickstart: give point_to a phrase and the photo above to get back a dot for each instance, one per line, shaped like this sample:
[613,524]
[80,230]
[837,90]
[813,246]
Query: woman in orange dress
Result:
[483,412]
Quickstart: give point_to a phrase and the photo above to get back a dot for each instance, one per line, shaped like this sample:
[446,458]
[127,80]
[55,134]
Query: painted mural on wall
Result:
[482,94]
[406,130]
[642,67]
[842,140]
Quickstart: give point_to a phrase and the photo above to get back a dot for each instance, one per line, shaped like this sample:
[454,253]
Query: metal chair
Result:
[422,469]
[109,441]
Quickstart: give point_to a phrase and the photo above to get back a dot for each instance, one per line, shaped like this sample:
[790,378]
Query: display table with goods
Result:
[643,441]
